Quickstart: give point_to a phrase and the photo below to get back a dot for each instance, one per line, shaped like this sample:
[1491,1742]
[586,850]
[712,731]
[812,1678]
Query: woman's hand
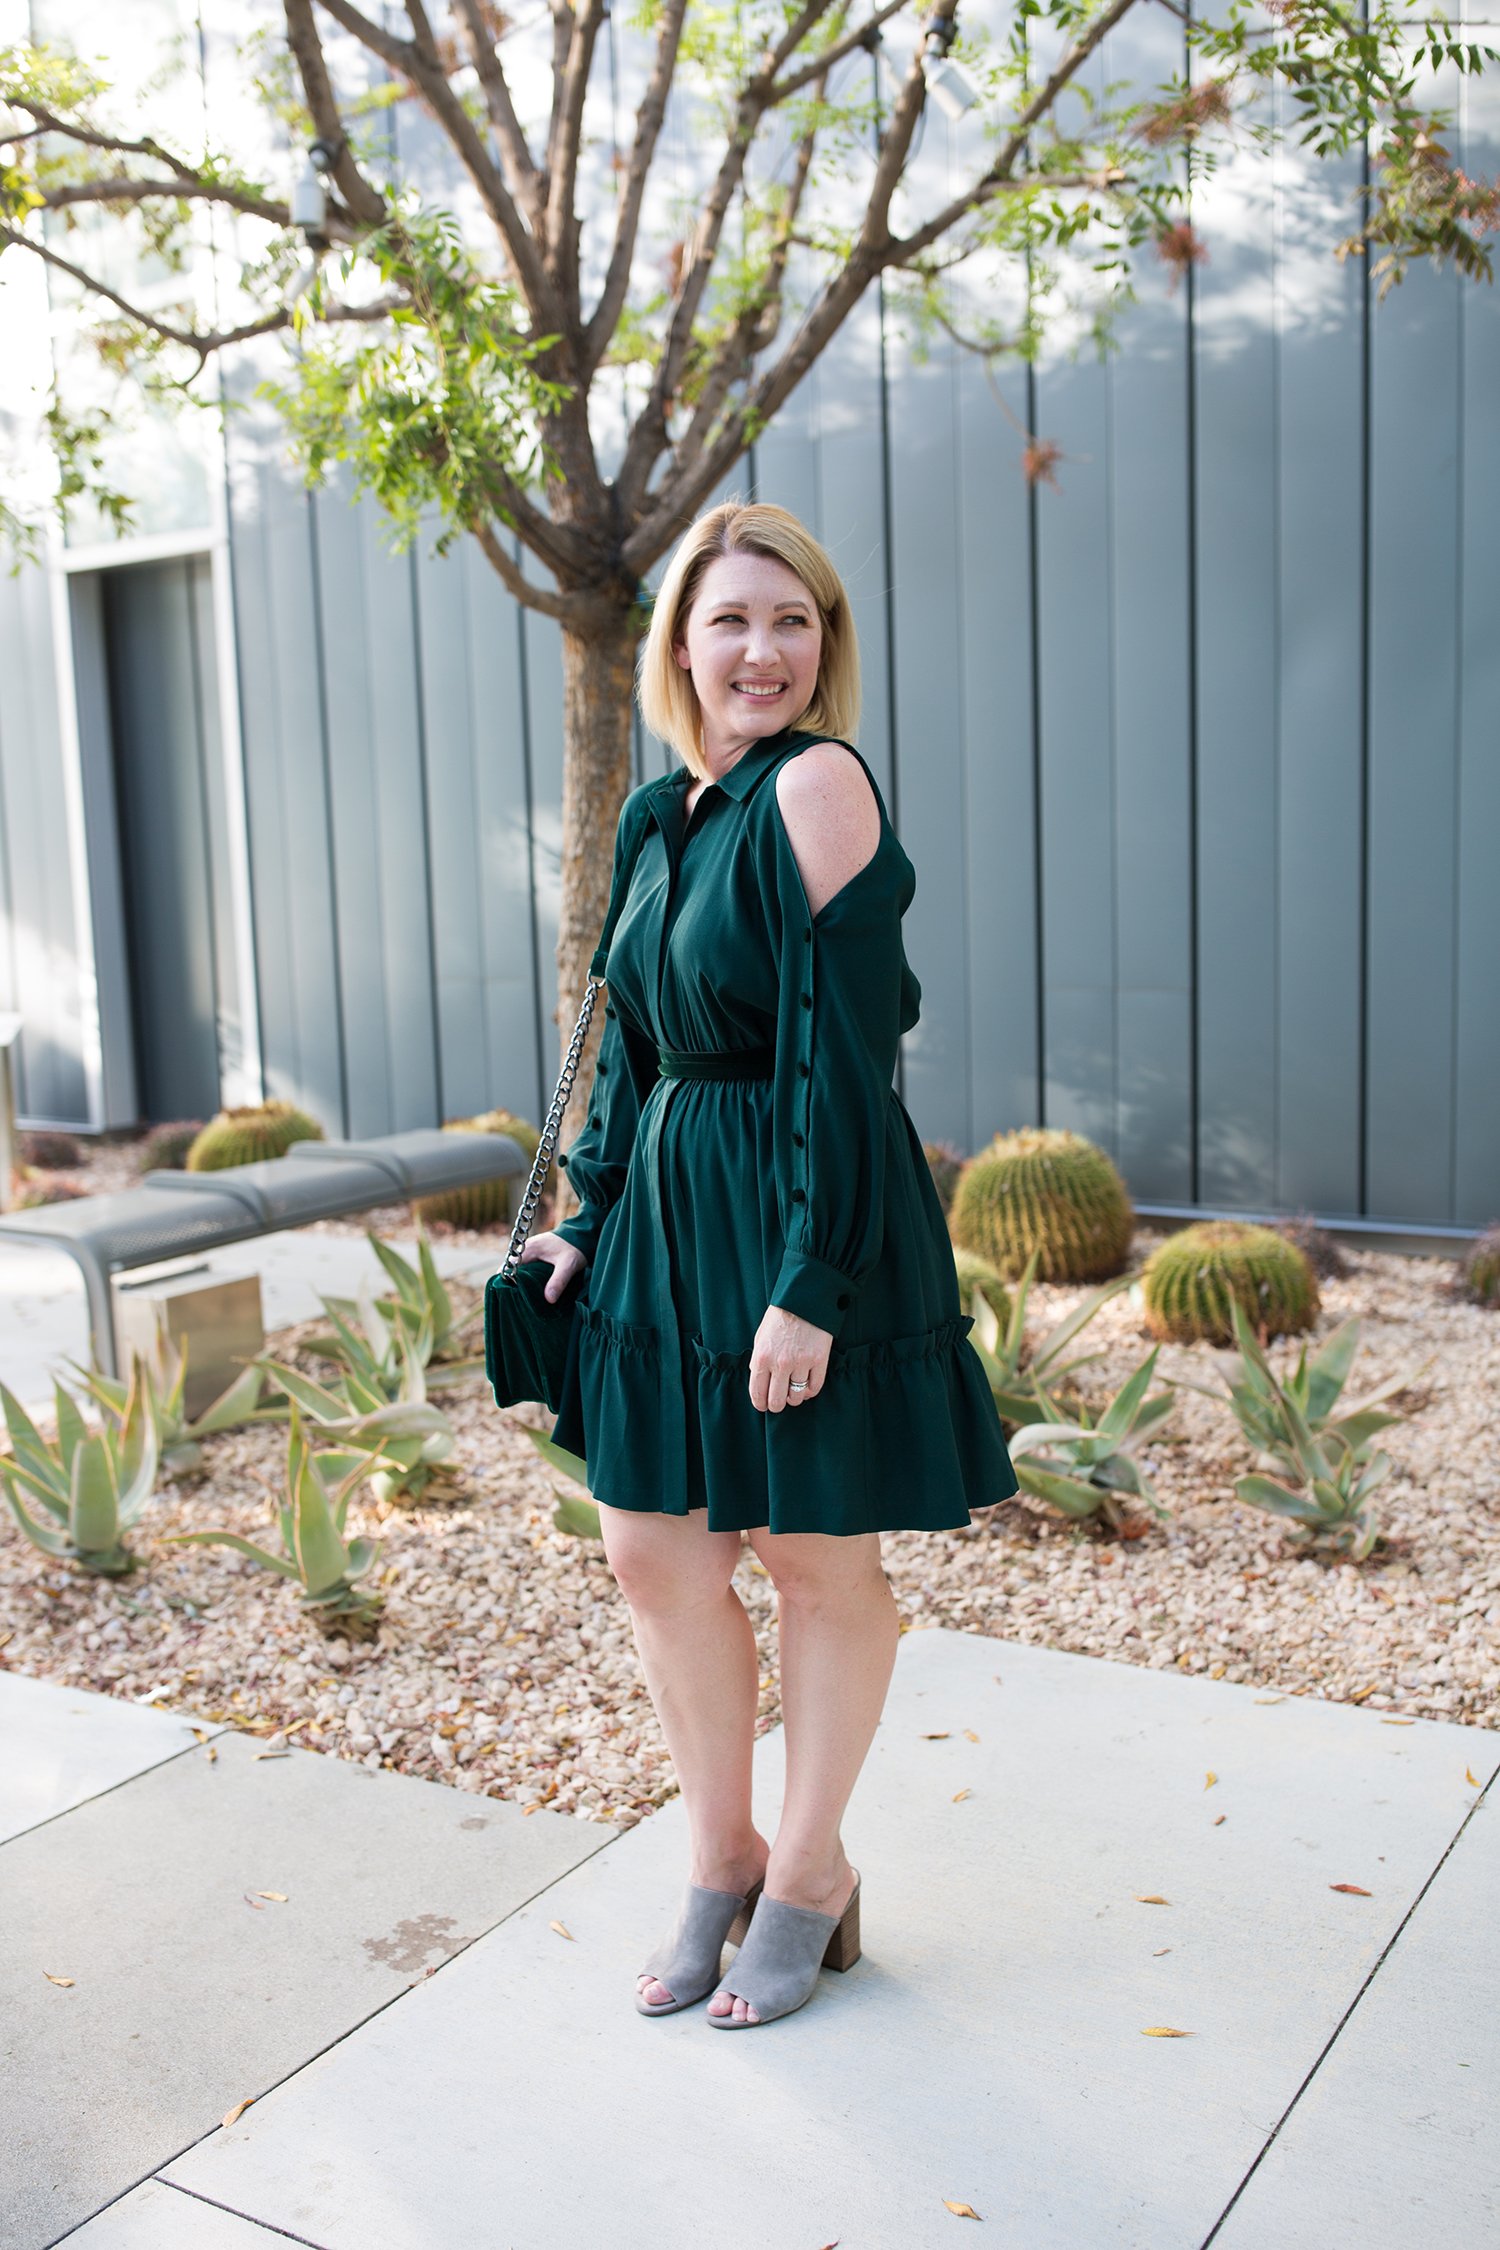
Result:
[787,1350]
[564,1258]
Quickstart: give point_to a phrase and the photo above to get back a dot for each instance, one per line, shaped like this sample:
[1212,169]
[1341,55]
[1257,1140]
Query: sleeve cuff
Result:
[584,1228]
[813,1291]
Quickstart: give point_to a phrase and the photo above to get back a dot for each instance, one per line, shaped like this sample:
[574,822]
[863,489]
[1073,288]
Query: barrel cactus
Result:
[1190,1279]
[166,1147]
[487,1204]
[974,1273]
[944,1162]
[246,1136]
[1045,1190]
[1481,1269]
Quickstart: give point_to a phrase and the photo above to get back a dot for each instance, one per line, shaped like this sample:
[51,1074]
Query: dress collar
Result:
[744,773]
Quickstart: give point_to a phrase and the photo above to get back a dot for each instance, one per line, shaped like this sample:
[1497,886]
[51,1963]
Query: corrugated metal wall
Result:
[1197,757]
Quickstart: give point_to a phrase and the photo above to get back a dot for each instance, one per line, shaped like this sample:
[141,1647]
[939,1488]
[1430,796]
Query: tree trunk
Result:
[598,693]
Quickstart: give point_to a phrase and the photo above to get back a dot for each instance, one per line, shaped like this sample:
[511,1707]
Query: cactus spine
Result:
[247,1136]
[1190,1280]
[1047,1191]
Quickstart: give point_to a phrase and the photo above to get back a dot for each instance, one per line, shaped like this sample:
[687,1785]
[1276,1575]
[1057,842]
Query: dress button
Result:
[800,1139]
[798,1196]
[844,1299]
[608,1010]
[807,999]
[807,937]
[801,1070]
[562,1164]
[602,1068]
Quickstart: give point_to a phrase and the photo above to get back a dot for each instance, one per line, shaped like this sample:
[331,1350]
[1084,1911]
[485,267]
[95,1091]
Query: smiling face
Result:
[752,640]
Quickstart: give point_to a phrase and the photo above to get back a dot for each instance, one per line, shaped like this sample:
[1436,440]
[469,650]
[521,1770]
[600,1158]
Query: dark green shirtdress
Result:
[800,1182]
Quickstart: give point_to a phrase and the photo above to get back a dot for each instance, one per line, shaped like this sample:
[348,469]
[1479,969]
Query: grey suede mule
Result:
[687,1962]
[777,1966]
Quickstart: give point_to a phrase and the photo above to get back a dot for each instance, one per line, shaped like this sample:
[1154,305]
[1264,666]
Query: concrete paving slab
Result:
[43,1319]
[988,2049]
[1397,2138]
[158,2217]
[189,1994]
[60,1746]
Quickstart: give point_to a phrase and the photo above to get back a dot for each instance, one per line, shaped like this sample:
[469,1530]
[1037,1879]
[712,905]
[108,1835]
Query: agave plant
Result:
[575,1513]
[93,1484]
[403,1439]
[315,1552]
[367,1331]
[1281,1417]
[1084,1468]
[165,1377]
[1330,1498]
[1023,1393]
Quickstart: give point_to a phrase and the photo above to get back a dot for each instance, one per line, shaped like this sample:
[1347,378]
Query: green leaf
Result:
[558,1457]
[1265,1492]
[578,1518]
[94,1512]
[229,1539]
[313,1398]
[71,1428]
[233,1405]
[51,1542]
[316,1543]
[1066,1494]
[1118,1418]
[1328,1370]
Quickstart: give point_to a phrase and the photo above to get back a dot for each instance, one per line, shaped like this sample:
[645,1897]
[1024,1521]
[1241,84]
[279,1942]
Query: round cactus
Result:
[165,1148]
[974,1273]
[1320,1248]
[1189,1280]
[1481,1268]
[51,1152]
[488,1203]
[1045,1190]
[944,1162]
[246,1136]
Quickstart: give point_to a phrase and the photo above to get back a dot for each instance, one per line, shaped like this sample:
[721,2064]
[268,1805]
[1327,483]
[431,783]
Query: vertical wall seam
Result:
[1190,435]
[1366,574]
[542,1063]
[425,781]
[200,706]
[320,654]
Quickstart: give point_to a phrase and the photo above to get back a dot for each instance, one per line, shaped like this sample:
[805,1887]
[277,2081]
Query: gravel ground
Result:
[505,1662]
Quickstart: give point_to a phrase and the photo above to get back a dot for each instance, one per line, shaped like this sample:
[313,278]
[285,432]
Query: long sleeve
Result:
[846,995]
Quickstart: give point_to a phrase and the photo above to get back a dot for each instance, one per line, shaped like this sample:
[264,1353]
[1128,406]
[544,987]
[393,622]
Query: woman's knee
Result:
[667,1563]
[817,1569]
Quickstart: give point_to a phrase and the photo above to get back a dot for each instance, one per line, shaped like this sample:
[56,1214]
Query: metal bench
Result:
[174,1213]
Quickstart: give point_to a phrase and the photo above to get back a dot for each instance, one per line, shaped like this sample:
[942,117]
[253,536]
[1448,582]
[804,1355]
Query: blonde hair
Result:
[668,699]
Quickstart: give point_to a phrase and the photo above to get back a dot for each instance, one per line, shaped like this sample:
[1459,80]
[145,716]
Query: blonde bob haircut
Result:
[668,699]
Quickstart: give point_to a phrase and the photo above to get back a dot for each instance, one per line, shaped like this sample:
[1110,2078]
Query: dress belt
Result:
[742,1062]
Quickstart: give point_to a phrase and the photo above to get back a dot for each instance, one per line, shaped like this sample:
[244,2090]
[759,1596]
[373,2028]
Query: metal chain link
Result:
[548,1142]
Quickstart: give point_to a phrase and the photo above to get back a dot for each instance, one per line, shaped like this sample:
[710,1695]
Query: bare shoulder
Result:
[831,817]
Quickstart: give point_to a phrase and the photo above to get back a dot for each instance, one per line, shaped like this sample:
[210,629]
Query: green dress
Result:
[800,1182]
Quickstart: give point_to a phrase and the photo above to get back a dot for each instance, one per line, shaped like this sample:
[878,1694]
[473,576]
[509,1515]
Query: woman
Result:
[771,1343]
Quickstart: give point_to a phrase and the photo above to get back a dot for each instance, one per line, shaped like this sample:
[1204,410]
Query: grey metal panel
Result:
[1413,802]
[281,716]
[227,986]
[1476,1100]
[381,865]
[542,643]
[1236,556]
[45,969]
[101,825]
[484,940]
[1320,441]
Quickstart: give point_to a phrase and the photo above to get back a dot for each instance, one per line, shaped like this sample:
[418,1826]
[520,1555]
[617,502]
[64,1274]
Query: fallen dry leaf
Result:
[960,2210]
[51,1979]
[238,2110]
[1269,1698]
[934,1738]
[969,1731]
[1161,1949]
[1469,1778]
[1398,1722]
[279,1896]
[1209,1779]
[198,1731]
[271,1754]
[562,1931]
[960,1794]
[1355,1889]
[1164,2031]
[1151,1898]
[255,1902]
[1223,1816]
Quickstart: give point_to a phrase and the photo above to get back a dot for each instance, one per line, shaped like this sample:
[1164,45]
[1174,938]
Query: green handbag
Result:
[526,1338]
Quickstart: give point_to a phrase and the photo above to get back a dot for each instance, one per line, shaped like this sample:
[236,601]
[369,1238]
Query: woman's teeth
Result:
[762,694]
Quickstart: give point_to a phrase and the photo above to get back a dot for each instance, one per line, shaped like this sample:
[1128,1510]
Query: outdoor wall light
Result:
[949,86]
[310,195]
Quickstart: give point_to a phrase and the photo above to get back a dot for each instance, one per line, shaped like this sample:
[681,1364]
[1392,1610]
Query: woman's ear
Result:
[679,651]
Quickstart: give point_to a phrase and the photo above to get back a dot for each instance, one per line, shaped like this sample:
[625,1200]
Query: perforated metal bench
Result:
[172,1214]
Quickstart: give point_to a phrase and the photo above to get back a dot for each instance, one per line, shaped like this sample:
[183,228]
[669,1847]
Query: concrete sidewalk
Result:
[1339,2084]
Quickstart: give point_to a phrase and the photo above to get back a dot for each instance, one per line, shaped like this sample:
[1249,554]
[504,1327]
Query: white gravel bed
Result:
[505,1663]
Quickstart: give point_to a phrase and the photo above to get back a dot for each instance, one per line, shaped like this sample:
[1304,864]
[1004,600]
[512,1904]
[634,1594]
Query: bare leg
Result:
[697,1650]
[838,1628]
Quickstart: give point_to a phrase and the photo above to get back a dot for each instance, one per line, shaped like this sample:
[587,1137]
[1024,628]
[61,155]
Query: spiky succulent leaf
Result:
[54,1543]
[94,1498]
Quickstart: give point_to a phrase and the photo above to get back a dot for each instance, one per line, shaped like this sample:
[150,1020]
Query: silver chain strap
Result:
[548,1142]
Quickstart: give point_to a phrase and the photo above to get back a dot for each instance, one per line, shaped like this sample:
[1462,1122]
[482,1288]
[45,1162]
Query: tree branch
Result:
[521,173]
[49,122]
[365,202]
[569,96]
[426,77]
[516,582]
[648,124]
[128,190]
[999,174]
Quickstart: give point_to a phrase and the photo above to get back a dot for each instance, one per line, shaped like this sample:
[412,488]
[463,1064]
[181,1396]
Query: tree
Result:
[453,366]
